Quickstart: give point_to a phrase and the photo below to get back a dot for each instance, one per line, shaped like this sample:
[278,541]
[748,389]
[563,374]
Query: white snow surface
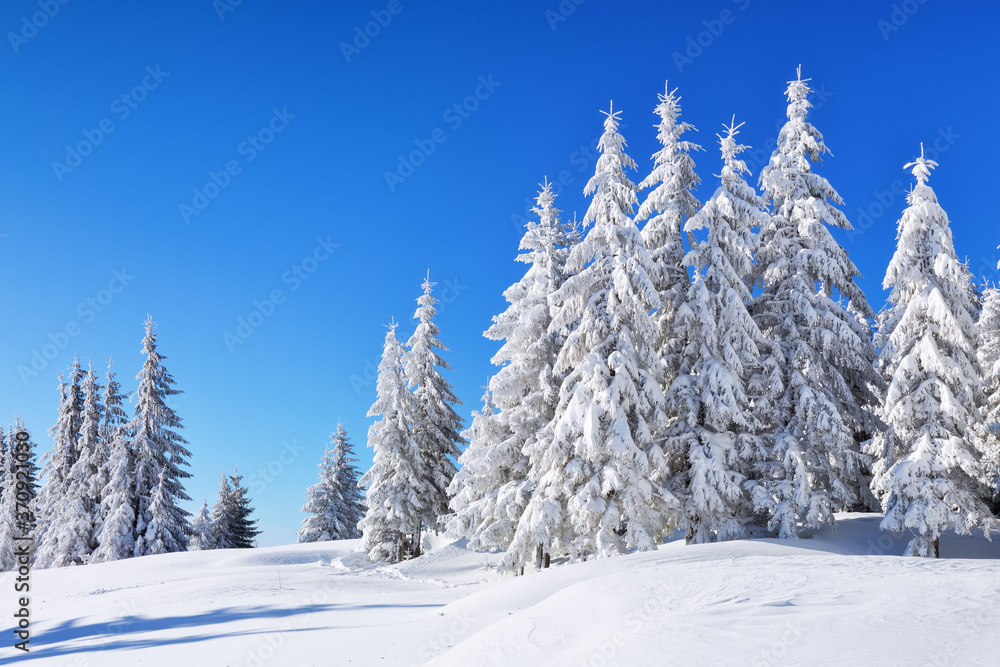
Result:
[839,598]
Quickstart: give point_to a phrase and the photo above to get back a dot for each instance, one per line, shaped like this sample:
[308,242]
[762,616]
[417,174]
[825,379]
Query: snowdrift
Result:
[839,598]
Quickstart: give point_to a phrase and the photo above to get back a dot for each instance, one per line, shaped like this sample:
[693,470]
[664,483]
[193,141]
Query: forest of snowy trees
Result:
[716,371]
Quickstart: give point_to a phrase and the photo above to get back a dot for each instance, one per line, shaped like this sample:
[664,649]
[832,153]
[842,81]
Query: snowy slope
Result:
[842,598]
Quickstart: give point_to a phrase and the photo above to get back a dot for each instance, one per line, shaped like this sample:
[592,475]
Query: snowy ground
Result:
[839,598]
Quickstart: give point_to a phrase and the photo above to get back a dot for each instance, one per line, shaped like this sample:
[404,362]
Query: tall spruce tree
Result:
[160,456]
[598,469]
[398,494]
[491,489]
[72,536]
[335,503]
[819,376]
[714,438]
[57,464]
[928,462]
[436,425]
[667,207]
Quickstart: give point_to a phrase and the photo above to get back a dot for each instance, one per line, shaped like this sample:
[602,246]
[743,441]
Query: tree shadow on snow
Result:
[72,637]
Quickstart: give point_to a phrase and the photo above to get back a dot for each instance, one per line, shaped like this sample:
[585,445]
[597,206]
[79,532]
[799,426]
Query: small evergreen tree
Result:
[116,534]
[243,529]
[928,468]
[222,515]
[397,488]
[335,503]
[202,538]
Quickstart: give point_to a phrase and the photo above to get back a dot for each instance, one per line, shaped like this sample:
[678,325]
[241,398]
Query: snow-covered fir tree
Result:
[398,494]
[57,464]
[202,538]
[667,208]
[598,468]
[222,515]
[8,502]
[114,419]
[928,462]
[436,425]
[989,362]
[242,529]
[335,504]
[158,448]
[491,489]
[71,538]
[116,534]
[818,374]
[714,437]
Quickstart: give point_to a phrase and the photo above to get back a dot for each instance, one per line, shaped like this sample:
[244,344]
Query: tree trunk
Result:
[937,552]
[538,557]
[546,560]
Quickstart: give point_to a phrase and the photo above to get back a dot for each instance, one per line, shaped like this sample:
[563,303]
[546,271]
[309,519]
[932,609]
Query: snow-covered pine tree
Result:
[242,529]
[26,463]
[928,462]
[8,503]
[668,206]
[116,534]
[56,465]
[989,362]
[397,488]
[714,437]
[335,503]
[818,373]
[597,468]
[436,425]
[222,515]
[491,489]
[158,448]
[202,538]
[165,533]
[115,418]
[75,518]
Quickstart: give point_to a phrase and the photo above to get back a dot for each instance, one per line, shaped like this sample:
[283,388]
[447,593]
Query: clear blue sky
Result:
[201,95]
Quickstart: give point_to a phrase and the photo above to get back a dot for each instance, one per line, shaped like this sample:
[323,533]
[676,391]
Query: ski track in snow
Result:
[839,598]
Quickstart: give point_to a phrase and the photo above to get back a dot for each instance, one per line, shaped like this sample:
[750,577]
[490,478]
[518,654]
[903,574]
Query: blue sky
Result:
[187,160]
